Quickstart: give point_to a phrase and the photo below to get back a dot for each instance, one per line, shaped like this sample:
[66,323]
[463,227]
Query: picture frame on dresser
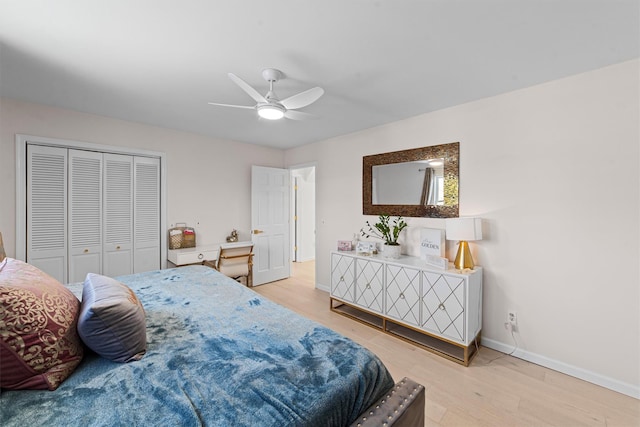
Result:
[432,248]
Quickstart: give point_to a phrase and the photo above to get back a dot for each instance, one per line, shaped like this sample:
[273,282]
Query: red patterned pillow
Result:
[39,345]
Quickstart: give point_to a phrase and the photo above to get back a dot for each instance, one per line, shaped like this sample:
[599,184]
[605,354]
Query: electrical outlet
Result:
[512,317]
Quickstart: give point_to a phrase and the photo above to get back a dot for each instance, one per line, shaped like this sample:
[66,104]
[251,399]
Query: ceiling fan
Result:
[269,106]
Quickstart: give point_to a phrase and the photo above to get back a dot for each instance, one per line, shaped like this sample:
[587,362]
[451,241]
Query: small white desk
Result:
[199,254]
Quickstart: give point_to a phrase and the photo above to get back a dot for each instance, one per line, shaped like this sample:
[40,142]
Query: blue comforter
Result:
[218,354]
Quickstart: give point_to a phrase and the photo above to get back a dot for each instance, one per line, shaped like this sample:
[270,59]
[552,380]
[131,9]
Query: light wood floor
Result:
[495,390]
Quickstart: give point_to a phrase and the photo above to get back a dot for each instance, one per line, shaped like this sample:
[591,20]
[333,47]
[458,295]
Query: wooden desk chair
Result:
[236,261]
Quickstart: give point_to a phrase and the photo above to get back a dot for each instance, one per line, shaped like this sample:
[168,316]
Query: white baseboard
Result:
[323,287]
[592,377]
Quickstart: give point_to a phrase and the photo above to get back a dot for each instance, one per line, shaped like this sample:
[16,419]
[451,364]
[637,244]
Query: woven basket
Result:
[188,238]
[175,241]
[182,236]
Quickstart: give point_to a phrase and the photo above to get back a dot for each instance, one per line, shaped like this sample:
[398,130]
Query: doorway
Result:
[303,230]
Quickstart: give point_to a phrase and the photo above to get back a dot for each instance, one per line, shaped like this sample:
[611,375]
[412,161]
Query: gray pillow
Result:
[112,321]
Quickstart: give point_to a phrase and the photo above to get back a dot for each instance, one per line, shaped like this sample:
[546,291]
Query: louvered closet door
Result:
[85,214]
[47,210]
[146,214]
[118,215]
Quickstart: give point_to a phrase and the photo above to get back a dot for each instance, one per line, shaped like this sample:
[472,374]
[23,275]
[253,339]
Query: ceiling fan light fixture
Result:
[270,107]
[271,112]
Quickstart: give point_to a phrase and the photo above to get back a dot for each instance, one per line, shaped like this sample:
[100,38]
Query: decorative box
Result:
[344,245]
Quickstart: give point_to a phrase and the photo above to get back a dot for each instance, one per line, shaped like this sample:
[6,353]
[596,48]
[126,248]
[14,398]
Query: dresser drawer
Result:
[342,277]
[402,294]
[370,285]
[192,255]
[443,305]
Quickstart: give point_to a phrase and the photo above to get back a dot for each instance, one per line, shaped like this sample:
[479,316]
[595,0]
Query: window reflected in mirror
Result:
[410,183]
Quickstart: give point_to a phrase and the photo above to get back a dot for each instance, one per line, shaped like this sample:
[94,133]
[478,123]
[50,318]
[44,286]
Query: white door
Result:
[47,210]
[146,214]
[270,224]
[85,214]
[118,215]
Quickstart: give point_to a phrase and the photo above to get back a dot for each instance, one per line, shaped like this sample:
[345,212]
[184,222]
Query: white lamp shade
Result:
[466,229]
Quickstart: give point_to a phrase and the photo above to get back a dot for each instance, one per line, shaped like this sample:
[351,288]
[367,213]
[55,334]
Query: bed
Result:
[219,354]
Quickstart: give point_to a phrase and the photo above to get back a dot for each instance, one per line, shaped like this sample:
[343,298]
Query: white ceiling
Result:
[160,61]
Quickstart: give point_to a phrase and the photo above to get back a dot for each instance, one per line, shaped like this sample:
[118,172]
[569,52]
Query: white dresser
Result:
[440,310]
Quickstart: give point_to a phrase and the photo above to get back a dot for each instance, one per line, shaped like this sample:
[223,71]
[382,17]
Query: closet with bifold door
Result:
[92,212]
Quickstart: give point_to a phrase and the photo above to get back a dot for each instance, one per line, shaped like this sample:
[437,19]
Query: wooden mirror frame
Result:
[451,155]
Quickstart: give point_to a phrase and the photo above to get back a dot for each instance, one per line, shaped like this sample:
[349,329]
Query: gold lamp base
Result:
[463,258]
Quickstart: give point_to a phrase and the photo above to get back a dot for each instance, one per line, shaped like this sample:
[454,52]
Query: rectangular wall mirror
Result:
[420,182]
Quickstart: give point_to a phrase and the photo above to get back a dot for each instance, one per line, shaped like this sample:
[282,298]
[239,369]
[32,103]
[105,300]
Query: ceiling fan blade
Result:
[299,115]
[245,86]
[303,98]
[231,105]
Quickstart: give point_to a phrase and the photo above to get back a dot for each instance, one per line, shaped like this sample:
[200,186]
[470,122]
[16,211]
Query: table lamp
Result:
[463,230]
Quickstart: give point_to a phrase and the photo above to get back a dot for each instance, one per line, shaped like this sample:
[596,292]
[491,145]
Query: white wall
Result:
[554,172]
[208,180]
